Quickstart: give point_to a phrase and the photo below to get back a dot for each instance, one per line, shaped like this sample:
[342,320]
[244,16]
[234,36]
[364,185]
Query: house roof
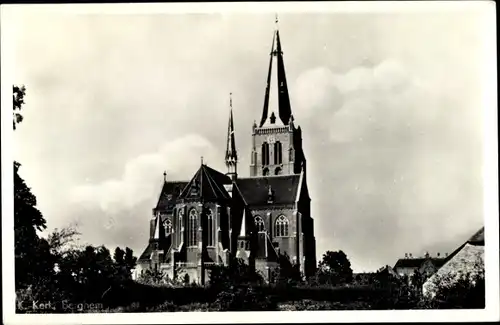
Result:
[169,193]
[417,262]
[207,184]
[477,238]
[255,190]
[469,260]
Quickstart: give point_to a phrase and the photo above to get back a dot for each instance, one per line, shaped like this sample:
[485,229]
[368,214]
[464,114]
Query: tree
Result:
[287,272]
[237,273]
[334,268]
[130,260]
[18,93]
[27,221]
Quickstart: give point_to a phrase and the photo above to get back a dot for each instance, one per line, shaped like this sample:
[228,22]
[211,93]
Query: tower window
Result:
[265,171]
[282,226]
[277,171]
[259,224]
[167,224]
[278,158]
[210,229]
[265,153]
[192,227]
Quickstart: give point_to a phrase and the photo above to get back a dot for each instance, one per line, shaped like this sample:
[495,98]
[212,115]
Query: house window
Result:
[265,153]
[259,224]
[192,227]
[167,224]
[210,227]
[278,159]
[282,226]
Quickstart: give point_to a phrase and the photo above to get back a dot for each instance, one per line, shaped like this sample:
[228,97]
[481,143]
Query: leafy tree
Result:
[124,261]
[287,272]
[237,273]
[18,93]
[119,256]
[27,221]
[130,260]
[334,268]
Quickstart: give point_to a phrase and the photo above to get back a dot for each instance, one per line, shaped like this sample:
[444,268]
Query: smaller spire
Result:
[231,154]
[243,225]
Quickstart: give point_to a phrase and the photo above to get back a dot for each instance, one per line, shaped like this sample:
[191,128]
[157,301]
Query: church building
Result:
[216,216]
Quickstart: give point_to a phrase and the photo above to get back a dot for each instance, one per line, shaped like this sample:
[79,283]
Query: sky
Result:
[389,104]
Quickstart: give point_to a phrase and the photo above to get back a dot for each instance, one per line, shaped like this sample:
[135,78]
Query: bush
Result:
[468,292]
[245,299]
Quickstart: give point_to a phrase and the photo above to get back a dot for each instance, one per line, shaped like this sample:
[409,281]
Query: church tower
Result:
[276,142]
[231,154]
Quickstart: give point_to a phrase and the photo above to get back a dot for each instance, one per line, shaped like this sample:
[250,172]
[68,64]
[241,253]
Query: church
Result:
[216,216]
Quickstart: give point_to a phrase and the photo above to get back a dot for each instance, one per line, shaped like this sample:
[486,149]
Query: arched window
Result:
[265,171]
[265,153]
[282,226]
[292,153]
[167,224]
[277,171]
[181,225]
[210,229]
[259,224]
[278,159]
[192,227]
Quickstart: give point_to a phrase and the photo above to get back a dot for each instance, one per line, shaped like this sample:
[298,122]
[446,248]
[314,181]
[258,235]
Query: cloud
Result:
[140,179]
[395,152]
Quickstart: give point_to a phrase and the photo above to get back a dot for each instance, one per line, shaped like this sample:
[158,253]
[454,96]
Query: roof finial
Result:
[165,176]
[202,160]
[276,20]
[231,100]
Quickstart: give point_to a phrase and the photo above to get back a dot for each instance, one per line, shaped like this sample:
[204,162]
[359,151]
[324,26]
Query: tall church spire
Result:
[276,110]
[231,154]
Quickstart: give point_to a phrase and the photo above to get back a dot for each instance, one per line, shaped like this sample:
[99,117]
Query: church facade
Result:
[216,216]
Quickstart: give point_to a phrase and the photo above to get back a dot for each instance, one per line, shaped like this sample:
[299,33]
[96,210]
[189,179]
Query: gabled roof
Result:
[477,238]
[207,184]
[255,190]
[417,262]
[169,193]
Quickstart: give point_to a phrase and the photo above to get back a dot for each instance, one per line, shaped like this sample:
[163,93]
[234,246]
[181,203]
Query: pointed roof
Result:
[207,184]
[170,191]
[243,230]
[231,155]
[277,109]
